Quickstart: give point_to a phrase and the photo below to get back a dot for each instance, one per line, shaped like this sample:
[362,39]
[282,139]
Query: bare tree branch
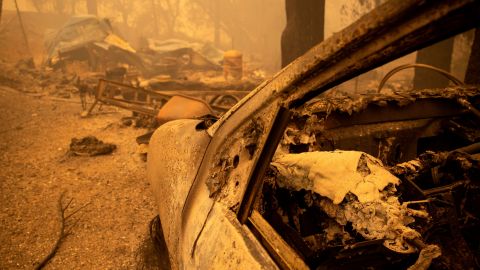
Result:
[66,228]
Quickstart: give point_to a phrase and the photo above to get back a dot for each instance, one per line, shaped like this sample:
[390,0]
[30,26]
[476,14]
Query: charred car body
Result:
[292,179]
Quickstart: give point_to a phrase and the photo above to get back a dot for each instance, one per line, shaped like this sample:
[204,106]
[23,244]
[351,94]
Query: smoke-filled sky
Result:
[252,26]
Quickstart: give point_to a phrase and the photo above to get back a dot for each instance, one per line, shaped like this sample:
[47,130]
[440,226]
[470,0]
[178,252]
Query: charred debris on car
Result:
[375,202]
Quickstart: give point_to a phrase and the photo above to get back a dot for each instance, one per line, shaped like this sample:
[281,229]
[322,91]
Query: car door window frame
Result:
[309,83]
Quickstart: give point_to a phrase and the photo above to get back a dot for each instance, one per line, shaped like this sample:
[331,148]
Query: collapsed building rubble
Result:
[46,82]
[174,56]
[87,49]
[90,42]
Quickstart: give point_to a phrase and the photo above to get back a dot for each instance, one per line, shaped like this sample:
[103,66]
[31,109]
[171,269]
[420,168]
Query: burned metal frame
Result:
[389,32]
[107,90]
[393,30]
[148,102]
[254,185]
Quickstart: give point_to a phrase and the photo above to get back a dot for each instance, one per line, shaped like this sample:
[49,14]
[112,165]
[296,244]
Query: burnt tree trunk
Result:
[22,27]
[304,29]
[472,76]
[438,55]
[92,7]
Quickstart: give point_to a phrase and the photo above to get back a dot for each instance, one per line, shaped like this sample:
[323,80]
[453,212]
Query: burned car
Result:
[293,179]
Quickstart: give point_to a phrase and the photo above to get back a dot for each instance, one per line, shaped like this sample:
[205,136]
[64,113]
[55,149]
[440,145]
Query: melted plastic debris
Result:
[321,172]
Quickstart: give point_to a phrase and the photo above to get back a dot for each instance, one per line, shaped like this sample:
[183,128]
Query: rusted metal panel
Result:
[255,182]
[349,103]
[199,204]
[128,97]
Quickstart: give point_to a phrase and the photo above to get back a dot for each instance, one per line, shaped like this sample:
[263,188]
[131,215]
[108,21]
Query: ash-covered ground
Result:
[35,134]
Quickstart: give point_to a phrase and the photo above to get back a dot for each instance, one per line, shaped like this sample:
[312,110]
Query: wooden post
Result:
[23,28]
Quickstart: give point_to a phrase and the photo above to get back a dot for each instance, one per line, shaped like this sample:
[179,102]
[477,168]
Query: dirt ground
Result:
[35,134]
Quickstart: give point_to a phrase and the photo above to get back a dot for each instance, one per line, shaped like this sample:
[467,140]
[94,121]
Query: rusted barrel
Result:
[233,65]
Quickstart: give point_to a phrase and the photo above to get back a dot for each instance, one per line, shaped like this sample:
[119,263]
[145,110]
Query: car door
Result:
[218,208]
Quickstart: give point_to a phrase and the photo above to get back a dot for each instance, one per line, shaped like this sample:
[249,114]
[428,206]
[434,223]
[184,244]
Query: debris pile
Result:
[90,146]
[97,48]
[45,82]
[175,57]
[349,195]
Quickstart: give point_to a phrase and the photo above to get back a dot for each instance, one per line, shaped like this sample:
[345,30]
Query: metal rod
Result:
[445,73]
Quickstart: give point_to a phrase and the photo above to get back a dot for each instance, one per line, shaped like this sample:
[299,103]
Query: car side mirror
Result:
[182,107]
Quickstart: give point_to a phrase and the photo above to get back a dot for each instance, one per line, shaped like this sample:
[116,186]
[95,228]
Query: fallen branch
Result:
[64,231]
